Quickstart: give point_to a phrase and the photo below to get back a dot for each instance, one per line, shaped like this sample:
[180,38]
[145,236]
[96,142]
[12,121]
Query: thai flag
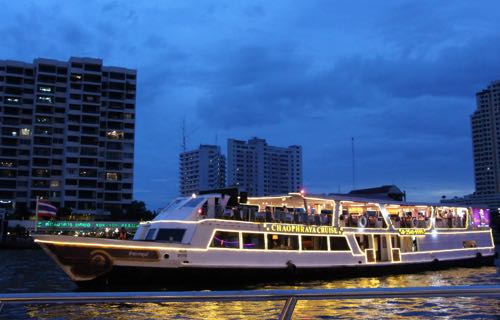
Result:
[46,209]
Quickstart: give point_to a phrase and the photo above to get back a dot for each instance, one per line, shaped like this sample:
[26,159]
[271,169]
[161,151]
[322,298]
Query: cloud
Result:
[261,85]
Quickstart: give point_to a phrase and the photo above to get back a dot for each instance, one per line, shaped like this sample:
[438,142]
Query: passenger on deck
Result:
[287,217]
[296,217]
[352,221]
[408,221]
[236,213]
[313,217]
[269,214]
[123,234]
[324,219]
[228,213]
[372,221]
[421,220]
[449,217]
[303,216]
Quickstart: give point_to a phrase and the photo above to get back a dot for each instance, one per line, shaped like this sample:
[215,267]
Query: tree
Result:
[22,212]
[64,212]
[137,211]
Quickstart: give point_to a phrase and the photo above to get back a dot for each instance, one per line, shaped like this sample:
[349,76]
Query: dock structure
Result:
[290,297]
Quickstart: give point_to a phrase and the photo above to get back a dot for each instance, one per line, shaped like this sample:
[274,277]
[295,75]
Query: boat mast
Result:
[353,165]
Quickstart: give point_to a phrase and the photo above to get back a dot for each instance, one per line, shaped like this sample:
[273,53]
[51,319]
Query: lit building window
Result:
[54,183]
[44,89]
[112,176]
[6,163]
[25,132]
[116,135]
[45,99]
[13,100]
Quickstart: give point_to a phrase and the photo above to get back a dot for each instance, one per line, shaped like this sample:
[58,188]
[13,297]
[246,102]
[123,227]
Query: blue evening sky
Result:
[398,76]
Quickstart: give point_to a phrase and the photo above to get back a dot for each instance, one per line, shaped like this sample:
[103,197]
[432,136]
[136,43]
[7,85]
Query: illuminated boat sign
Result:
[411,232]
[296,228]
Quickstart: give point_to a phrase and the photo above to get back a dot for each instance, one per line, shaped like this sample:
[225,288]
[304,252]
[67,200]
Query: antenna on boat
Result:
[353,165]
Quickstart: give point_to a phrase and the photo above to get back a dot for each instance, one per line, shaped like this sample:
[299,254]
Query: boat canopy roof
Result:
[295,199]
[188,208]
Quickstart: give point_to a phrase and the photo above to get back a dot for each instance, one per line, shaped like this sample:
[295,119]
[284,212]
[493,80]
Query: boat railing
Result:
[290,297]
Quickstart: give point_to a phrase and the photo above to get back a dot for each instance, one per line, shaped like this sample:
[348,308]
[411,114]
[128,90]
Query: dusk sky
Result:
[399,76]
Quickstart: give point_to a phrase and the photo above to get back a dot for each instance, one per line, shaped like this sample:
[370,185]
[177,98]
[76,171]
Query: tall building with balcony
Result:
[67,134]
[202,169]
[485,138]
[485,123]
[261,169]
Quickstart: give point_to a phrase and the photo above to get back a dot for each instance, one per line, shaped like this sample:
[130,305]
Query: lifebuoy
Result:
[362,221]
[98,262]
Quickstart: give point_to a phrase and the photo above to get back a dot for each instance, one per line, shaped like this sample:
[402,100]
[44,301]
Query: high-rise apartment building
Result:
[67,134]
[485,123]
[261,169]
[485,139]
[202,169]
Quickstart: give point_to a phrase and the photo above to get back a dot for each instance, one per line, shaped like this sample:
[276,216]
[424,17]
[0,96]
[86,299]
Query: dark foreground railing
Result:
[289,296]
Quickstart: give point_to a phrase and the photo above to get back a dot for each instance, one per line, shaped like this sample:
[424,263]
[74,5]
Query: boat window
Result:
[224,239]
[339,244]
[253,241]
[150,235]
[451,217]
[409,216]
[314,243]
[170,235]
[282,242]
[363,241]
[193,202]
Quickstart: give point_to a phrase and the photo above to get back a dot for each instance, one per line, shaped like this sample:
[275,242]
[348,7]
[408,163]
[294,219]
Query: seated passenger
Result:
[421,221]
[372,221]
[324,219]
[396,221]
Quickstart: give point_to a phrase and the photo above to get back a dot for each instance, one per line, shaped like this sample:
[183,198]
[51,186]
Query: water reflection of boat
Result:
[208,238]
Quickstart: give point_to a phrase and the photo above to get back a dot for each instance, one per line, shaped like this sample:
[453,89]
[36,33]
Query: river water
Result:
[32,271]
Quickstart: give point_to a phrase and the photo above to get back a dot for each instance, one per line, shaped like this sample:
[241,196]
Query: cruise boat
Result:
[214,238]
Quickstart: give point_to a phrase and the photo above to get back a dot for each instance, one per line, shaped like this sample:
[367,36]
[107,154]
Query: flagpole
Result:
[36,212]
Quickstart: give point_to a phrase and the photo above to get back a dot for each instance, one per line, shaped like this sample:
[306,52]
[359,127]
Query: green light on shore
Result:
[84,225]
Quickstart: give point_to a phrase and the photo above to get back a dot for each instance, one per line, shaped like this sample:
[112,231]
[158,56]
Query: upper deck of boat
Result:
[332,210]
